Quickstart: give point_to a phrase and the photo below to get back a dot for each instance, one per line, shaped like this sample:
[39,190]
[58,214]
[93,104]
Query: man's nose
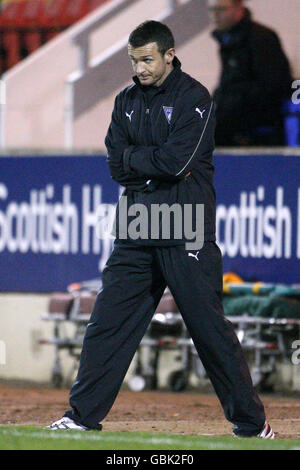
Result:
[140,68]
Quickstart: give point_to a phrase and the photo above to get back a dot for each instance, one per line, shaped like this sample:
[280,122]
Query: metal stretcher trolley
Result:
[266,318]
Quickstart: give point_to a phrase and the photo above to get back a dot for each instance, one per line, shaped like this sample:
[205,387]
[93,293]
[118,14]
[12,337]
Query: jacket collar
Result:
[176,72]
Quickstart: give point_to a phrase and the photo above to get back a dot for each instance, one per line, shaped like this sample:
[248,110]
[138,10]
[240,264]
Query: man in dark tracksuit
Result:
[160,145]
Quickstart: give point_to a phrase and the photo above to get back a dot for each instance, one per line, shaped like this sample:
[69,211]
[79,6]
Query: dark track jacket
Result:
[160,147]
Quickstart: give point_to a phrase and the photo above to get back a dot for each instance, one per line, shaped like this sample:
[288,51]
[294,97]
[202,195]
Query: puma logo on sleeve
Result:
[200,112]
[129,115]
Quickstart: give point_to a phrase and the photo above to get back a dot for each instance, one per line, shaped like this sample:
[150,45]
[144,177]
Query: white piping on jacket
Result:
[204,129]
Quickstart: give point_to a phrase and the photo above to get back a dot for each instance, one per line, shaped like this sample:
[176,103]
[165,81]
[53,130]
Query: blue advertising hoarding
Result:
[56,213]
[258,216]
[48,219]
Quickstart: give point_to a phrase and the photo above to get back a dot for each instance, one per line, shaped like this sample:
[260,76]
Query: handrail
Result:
[102,17]
[81,39]
[81,36]
[105,14]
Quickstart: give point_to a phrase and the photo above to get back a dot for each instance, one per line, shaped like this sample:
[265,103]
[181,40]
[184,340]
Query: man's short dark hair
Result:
[152,31]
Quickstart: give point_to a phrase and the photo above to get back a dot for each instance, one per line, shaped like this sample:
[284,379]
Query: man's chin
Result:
[146,81]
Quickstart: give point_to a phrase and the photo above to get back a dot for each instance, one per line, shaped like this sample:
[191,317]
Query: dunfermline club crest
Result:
[168,110]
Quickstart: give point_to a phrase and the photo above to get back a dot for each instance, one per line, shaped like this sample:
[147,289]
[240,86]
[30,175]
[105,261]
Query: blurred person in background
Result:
[255,78]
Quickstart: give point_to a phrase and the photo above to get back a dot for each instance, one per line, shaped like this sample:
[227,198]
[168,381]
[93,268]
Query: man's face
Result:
[224,13]
[149,65]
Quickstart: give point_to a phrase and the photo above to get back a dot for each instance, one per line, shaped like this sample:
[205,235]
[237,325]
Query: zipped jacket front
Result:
[160,147]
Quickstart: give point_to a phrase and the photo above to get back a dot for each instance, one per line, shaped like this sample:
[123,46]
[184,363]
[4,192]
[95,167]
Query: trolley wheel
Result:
[57,380]
[178,380]
[137,383]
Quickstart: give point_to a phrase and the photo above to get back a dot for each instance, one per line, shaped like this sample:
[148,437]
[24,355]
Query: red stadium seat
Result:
[32,40]
[31,14]
[3,55]
[9,17]
[47,35]
[10,14]
[11,43]
[51,18]
[52,14]
[74,11]
[95,4]
[27,24]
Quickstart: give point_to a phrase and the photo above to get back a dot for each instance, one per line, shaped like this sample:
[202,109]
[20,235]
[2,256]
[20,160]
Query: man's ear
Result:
[169,55]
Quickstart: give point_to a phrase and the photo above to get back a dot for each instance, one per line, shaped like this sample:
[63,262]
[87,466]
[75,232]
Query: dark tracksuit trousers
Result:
[134,280]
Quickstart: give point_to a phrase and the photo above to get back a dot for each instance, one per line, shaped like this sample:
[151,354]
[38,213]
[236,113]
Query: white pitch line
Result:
[85,436]
[103,438]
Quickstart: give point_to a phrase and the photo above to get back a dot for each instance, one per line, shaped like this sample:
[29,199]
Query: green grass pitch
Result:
[37,438]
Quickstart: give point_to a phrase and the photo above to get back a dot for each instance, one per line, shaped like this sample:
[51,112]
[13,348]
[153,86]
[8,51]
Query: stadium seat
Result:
[31,20]
[3,54]
[74,11]
[25,25]
[51,18]
[33,40]
[11,14]
[95,4]
[9,47]
[11,44]
[48,34]
[52,13]
[32,12]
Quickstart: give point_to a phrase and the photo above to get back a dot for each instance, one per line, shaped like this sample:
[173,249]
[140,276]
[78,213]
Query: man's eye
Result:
[148,61]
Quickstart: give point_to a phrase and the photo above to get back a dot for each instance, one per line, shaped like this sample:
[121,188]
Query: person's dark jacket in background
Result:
[255,81]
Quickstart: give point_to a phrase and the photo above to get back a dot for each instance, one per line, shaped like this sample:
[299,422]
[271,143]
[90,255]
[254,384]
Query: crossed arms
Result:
[191,135]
